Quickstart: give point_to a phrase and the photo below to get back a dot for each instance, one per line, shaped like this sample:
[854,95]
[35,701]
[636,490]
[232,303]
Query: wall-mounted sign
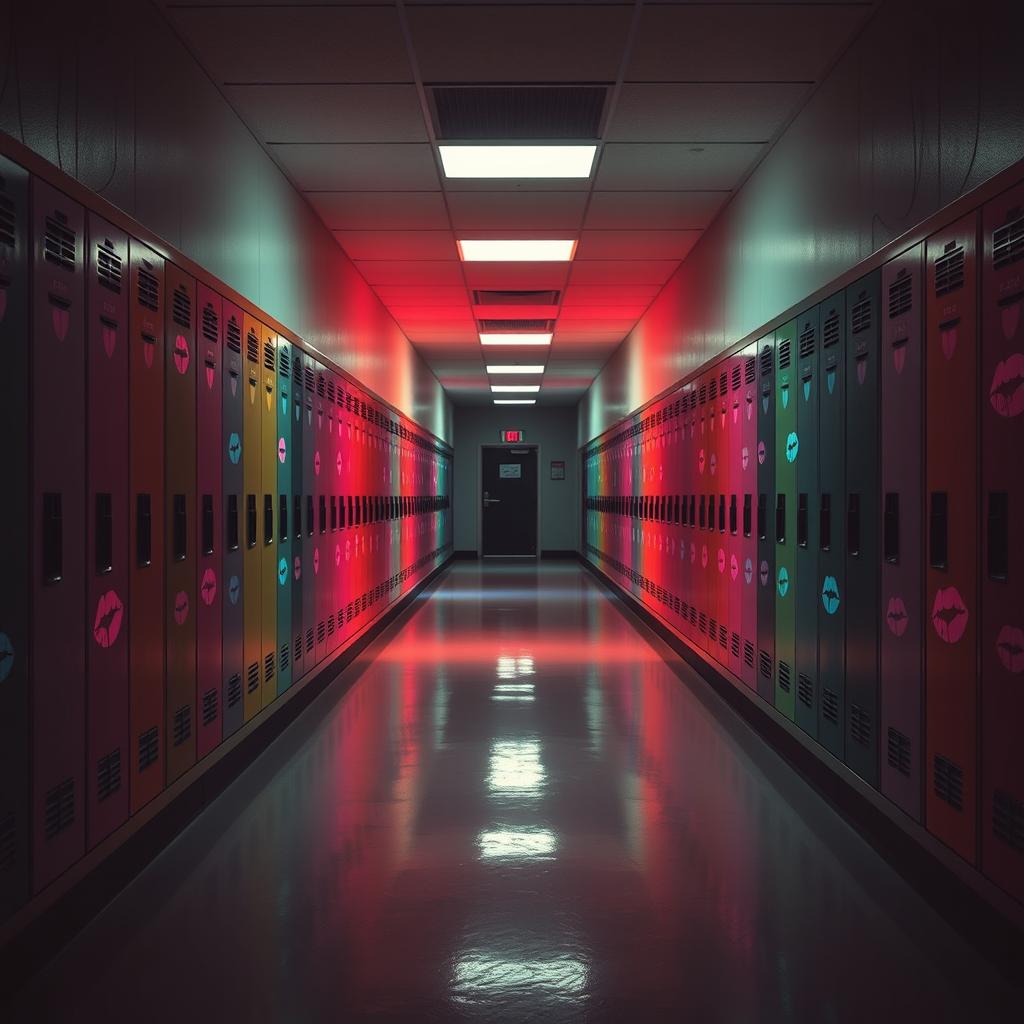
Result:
[510,471]
[512,437]
[557,470]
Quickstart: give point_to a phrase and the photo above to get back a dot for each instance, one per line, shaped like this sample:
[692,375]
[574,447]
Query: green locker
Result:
[269,566]
[787,448]
[252,646]
[764,523]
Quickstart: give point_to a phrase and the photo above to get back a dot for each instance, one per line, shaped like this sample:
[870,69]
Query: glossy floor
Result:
[513,808]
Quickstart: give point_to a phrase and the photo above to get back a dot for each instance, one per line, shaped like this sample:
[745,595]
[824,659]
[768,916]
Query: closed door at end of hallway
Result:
[509,501]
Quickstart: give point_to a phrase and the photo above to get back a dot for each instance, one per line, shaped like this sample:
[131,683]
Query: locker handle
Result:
[232,523]
[899,343]
[733,510]
[250,521]
[59,301]
[207,524]
[721,513]
[108,322]
[946,324]
[282,517]
[309,515]
[104,539]
[825,523]
[853,525]
[802,524]
[268,520]
[891,528]
[762,517]
[143,530]
[1010,300]
[999,536]
[780,518]
[938,530]
[179,530]
[747,510]
[53,538]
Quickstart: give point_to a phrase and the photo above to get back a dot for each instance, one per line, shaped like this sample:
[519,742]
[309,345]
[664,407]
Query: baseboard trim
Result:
[465,556]
[559,553]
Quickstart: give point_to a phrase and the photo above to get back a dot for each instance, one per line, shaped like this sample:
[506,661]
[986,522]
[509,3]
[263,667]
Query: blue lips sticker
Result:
[830,380]
[282,571]
[783,581]
[807,390]
[234,589]
[830,595]
[792,446]
[6,656]
[234,447]
[785,396]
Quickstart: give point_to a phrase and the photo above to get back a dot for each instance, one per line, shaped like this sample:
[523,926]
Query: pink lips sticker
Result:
[337,554]
[282,450]
[948,339]
[760,453]
[1006,392]
[745,457]
[700,461]
[180,607]
[338,463]
[721,560]
[61,319]
[316,463]
[734,567]
[704,556]
[1010,648]
[713,463]
[109,336]
[316,561]
[298,568]
[109,616]
[949,615]
[1010,319]
[182,356]
[896,617]
[208,587]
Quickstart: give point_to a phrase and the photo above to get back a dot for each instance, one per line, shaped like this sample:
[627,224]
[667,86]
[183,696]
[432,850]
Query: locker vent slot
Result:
[285,656]
[234,336]
[737,377]
[330,624]
[748,654]
[309,379]
[284,361]
[713,390]
[807,342]
[253,677]
[252,347]
[805,690]
[268,667]
[59,808]
[703,394]
[182,725]
[948,781]
[830,330]
[309,639]
[7,222]
[210,701]
[518,112]
[234,690]
[703,622]
[268,356]
[860,317]
[1008,820]
[330,392]
[321,627]
[59,245]
[297,647]
[8,842]
[749,370]
[766,665]
[949,269]
[784,354]
[149,288]
[1008,241]
[900,295]
[321,387]
[149,748]
[784,680]
[108,774]
[108,266]
[766,361]
[899,751]
[181,307]
[830,705]
[723,382]
[860,725]
[734,646]
[210,323]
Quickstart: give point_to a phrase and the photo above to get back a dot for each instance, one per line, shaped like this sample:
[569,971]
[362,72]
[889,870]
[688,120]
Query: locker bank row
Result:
[831,515]
[205,511]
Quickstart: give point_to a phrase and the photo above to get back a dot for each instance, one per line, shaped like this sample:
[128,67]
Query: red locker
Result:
[747,498]
[252,519]
[146,541]
[1002,567]
[320,495]
[331,555]
[209,501]
[951,584]
[108,743]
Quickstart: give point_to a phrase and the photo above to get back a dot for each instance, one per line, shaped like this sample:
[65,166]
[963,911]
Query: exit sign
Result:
[512,436]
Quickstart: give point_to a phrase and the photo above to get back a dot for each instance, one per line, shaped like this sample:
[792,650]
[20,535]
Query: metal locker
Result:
[832,525]
[285,456]
[15,564]
[295,459]
[320,494]
[309,461]
[700,557]
[209,504]
[252,525]
[337,474]
[270,575]
[108,743]
[734,512]
[233,393]
[748,515]
[862,522]
[783,525]
[331,555]
[1002,568]
[180,519]
[951,572]
[899,608]
[717,568]
[764,518]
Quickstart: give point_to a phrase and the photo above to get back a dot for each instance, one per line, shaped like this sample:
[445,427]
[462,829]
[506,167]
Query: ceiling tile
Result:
[517,210]
[330,113]
[612,272]
[422,295]
[574,313]
[411,272]
[398,245]
[679,210]
[675,166]
[414,211]
[296,43]
[516,276]
[635,245]
[354,166]
[741,42]
[608,295]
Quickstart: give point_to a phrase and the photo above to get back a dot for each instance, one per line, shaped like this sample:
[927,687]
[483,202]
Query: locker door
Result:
[108,743]
[832,525]
[787,446]
[900,638]
[862,520]
[209,519]
[748,515]
[337,475]
[234,396]
[332,547]
[688,550]
[15,722]
[270,573]
[808,591]
[1002,574]
[309,439]
[704,516]
[285,456]
[180,551]
[252,525]
[295,458]
[764,518]
[951,582]
[320,556]
[734,513]
[718,519]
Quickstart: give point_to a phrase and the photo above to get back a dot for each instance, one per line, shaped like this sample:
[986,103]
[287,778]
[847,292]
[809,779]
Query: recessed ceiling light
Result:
[524,389]
[517,161]
[517,250]
[515,401]
[515,369]
[515,339]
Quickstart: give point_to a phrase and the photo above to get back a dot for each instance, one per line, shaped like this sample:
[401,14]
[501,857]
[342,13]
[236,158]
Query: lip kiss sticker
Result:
[748,570]
[792,446]
[282,450]
[734,567]
[298,568]
[338,463]
[181,355]
[763,573]
[234,447]
[180,607]
[700,461]
[745,457]
[6,656]
[704,556]
[337,554]
[713,463]
[896,616]
[830,595]
[721,560]
[1007,390]
[109,616]
[316,561]
[282,571]
[316,463]
[1010,648]
[208,587]
[760,453]
[783,581]
[109,335]
[949,615]
[948,339]
[234,589]
[750,407]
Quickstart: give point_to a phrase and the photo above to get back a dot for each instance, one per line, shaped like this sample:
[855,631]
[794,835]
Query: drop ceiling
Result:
[341,95]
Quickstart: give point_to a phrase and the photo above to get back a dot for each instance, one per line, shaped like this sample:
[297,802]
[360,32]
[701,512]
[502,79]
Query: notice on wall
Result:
[510,470]
[557,470]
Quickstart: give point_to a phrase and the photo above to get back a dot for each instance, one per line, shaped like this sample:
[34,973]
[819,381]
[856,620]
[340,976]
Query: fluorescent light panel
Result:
[515,401]
[515,339]
[515,369]
[516,250]
[522,389]
[498,161]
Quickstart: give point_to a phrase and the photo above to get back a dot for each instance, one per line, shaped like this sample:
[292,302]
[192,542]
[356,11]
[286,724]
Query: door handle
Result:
[491,501]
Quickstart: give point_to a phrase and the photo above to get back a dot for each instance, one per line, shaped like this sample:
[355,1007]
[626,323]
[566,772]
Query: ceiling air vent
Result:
[518,112]
[483,297]
[516,325]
